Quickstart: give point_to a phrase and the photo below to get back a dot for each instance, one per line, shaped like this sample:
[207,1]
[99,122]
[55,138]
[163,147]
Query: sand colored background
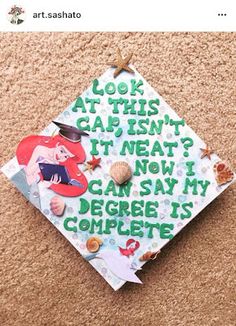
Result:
[44,281]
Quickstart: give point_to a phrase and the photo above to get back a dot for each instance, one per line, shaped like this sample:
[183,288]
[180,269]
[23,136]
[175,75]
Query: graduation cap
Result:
[70,133]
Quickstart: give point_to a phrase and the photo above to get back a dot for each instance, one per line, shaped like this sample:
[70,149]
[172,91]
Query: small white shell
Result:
[57,206]
[120,172]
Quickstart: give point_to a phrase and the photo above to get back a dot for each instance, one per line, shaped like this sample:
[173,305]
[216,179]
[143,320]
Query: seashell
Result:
[149,256]
[93,244]
[57,206]
[223,173]
[120,172]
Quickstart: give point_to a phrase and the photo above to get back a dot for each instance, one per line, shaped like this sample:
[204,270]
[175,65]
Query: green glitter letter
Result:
[67,221]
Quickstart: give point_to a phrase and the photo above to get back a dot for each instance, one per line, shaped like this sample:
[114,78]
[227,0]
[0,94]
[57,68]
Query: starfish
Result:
[91,165]
[206,152]
[121,64]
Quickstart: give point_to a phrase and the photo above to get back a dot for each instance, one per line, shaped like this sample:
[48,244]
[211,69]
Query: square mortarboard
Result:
[70,133]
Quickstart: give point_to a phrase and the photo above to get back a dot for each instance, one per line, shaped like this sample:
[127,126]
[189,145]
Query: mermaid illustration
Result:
[40,156]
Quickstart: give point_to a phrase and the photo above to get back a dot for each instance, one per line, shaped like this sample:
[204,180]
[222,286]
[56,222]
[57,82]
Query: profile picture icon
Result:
[16,15]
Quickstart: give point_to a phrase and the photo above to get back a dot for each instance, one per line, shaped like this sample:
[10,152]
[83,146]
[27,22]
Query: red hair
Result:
[25,150]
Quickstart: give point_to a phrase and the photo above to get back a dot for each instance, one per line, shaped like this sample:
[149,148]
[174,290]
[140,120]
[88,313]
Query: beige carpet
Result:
[44,281]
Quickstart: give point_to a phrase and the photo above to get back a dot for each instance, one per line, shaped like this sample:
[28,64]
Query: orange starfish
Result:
[91,165]
[206,152]
[121,64]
